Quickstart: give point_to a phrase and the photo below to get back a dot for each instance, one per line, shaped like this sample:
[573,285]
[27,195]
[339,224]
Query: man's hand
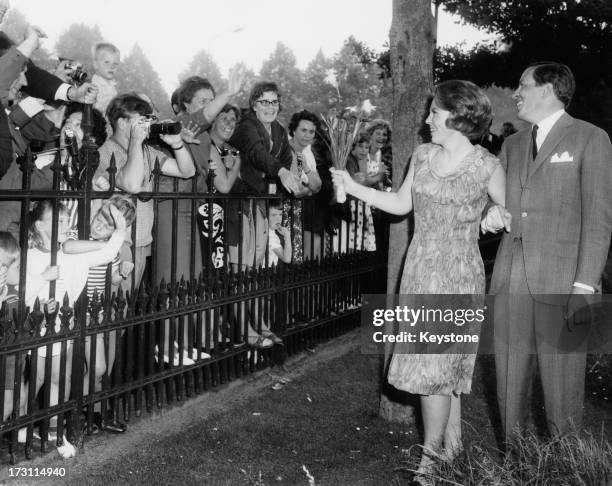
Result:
[34,35]
[497,218]
[32,41]
[86,93]
[139,131]
[51,273]
[173,140]
[580,309]
[289,181]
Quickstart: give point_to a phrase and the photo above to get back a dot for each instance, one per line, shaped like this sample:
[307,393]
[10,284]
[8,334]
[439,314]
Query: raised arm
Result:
[130,177]
[182,164]
[225,176]
[111,247]
[213,108]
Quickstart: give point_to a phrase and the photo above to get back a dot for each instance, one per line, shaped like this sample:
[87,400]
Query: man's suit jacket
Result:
[41,84]
[561,206]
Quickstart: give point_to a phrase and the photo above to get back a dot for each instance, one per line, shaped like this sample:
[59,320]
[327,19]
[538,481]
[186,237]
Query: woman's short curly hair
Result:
[379,124]
[469,106]
[296,118]
[259,89]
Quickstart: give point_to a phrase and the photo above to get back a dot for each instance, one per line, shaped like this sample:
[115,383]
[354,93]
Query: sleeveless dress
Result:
[443,258]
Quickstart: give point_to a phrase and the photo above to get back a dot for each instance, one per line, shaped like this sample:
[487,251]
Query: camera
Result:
[78,74]
[164,128]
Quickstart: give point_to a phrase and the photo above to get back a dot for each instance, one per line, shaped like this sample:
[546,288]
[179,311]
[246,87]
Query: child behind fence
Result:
[102,227]
[9,279]
[70,276]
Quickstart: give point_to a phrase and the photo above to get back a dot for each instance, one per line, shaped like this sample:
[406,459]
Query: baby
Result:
[105,63]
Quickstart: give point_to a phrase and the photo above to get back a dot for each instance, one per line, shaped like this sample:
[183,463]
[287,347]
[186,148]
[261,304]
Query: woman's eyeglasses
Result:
[267,103]
[224,152]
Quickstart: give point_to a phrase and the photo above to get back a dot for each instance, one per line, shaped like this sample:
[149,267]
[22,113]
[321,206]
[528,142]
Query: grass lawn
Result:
[323,423]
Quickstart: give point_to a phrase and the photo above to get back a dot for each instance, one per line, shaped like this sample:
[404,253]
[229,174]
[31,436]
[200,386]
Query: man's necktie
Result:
[534,144]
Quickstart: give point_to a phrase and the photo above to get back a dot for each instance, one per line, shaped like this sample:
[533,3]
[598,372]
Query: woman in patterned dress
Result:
[448,184]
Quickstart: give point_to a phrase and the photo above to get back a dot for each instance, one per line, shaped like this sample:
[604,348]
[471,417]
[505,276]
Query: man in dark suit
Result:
[559,175]
[34,81]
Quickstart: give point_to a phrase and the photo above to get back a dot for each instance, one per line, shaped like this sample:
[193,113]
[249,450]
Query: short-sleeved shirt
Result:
[144,210]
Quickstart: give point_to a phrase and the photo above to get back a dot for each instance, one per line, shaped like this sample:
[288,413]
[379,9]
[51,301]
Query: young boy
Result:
[105,63]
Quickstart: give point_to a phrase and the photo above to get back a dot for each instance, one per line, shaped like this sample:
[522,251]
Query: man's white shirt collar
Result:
[545,126]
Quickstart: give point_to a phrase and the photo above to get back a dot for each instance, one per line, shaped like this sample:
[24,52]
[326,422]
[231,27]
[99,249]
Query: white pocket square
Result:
[564,157]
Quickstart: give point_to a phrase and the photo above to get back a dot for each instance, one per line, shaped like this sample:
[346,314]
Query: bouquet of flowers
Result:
[341,135]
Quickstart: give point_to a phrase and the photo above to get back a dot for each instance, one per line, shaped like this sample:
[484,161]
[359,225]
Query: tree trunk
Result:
[412,39]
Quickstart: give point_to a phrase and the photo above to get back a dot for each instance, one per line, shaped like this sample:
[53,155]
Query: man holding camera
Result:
[24,119]
[129,116]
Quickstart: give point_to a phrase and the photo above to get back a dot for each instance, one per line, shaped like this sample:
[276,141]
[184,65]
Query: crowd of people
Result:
[209,146]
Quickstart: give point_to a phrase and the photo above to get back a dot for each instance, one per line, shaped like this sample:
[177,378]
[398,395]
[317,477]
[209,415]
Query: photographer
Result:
[135,161]
[26,119]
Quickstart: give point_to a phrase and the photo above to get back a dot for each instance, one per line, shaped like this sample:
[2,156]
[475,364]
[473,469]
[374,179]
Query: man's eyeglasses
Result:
[267,103]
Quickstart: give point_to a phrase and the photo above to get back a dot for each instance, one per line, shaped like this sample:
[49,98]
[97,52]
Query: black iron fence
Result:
[190,322]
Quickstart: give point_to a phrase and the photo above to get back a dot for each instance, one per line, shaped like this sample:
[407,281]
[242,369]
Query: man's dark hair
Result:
[175,101]
[190,87]
[559,76]
[296,118]
[121,106]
